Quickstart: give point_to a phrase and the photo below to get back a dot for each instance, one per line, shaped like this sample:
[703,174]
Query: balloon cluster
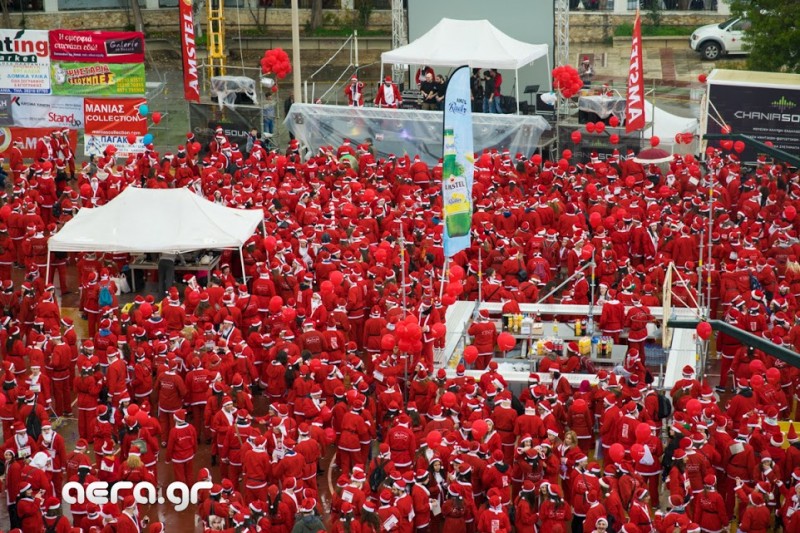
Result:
[567,80]
[455,285]
[276,61]
[729,145]
[684,138]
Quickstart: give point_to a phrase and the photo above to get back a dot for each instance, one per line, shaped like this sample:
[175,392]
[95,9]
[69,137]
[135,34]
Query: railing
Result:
[644,5]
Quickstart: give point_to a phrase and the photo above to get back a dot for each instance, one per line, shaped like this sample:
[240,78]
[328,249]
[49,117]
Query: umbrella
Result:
[653,156]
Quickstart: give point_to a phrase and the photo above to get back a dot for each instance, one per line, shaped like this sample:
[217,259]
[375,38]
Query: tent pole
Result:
[516,86]
[47,269]
[241,260]
[549,75]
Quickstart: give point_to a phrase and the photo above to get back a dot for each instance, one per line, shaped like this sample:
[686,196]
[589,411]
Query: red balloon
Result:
[448,300]
[595,219]
[769,143]
[576,136]
[688,138]
[567,154]
[563,164]
[275,304]
[156,117]
[590,127]
[270,243]
[479,429]
[726,144]
[789,213]
[455,288]
[693,407]
[449,400]
[131,138]
[738,147]
[689,158]
[506,341]
[637,452]
[388,342]
[616,452]
[536,159]
[702,78]
[470,354]
[613,121]
[456,273]
[654,141]
[433,439]
[726,130]
[642,433]
[336,278]
[613,138]
[773,375]
[438,330]
[704,330]
[600,127]
[679,138]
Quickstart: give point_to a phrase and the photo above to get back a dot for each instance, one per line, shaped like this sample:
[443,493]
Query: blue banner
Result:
[457,163]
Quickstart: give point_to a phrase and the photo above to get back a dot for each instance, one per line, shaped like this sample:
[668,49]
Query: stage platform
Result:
[680,352]
[408,131]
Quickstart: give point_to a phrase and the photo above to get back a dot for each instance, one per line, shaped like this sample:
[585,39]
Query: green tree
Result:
[773,36]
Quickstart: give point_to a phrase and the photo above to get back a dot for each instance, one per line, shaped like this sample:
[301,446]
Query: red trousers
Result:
[5,271]
[167,421]
[8,429]
[197,420]
[92,322]
[184,472]
[62,396]
[86,420]
[234,473]
[724,371]
[251,495]
[347,460]
[61,269]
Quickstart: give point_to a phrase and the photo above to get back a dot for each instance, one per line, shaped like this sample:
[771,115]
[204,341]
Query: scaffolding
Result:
[399,35]
[216,38]
[562,32]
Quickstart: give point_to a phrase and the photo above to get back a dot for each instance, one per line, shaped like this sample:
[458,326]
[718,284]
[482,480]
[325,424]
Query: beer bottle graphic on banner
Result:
[458,204]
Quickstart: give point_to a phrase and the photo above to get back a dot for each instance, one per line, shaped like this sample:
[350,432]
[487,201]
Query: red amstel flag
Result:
[634,103]
[191,82]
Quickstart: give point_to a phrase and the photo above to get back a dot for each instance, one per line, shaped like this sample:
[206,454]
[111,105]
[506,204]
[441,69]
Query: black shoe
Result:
[719,388]
[213,460]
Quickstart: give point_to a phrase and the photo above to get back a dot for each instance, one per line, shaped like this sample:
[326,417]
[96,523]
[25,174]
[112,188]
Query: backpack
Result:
[377,476]
[141,444]
[664,406]
[104,297]
[33,425]
[540,271]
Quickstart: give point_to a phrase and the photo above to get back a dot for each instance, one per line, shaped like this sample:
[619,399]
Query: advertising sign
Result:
[191,82]
[5,110]
[112,121]
[30,136]
[35,111]
[114,115]
[458,168]
[24,62]
[764,113]
[97,46]
[236,123]
[98,79]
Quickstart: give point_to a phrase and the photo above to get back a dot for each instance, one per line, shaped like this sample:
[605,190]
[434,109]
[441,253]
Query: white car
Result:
[715,40]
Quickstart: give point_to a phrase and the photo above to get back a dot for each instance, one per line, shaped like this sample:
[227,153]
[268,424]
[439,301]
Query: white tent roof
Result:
[476,43]
[156,220]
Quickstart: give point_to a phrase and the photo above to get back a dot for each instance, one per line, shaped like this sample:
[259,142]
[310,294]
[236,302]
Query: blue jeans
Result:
[496,105]
[486,105]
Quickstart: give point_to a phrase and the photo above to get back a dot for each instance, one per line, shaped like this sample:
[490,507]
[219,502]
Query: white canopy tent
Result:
[156,221]
[477,43]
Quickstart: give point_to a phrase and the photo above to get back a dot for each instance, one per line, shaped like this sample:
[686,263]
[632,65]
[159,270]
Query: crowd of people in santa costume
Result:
[334,319]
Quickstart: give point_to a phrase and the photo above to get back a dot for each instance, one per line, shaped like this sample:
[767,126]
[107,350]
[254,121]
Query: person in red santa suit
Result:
[355,92]
[61,375]
[171,391]
[257,470]
[53,443]
[402,444]
[181,448]
[388,94]
[128,520]
[612,317]
[29,508]
[484,335]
